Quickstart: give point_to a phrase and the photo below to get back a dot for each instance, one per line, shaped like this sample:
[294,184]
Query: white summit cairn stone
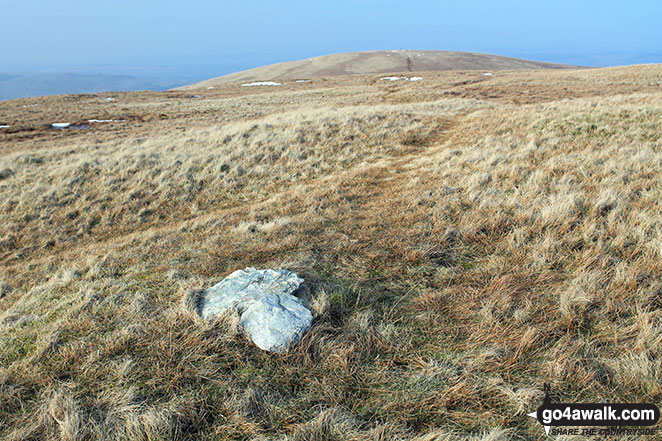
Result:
[272,316]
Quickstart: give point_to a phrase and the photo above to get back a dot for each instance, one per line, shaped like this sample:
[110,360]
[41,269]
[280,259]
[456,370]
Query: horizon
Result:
[168,46]
[603,59]
[108,77]
[238,62]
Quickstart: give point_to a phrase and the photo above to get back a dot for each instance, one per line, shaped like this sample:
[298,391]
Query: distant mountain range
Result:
[23,86]
[390,61]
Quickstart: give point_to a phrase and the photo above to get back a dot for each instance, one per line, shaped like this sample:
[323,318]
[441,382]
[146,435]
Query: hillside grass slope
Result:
[466,239]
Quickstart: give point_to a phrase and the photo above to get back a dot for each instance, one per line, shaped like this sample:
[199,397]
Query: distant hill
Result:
[23,86]
[378,62]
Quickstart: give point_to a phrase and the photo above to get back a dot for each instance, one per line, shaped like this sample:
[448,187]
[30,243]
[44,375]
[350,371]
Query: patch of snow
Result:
[30,105]
[4,126]
[304,81]
[488,74]
[401,78]
[101,121]
[211,88]
[60,126]
[110,99]
[261,83]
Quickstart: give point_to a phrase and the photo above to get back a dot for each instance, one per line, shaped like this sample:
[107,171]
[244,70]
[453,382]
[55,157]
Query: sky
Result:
[220,36]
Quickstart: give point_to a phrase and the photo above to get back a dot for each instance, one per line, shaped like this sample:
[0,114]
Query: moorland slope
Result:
[466,239]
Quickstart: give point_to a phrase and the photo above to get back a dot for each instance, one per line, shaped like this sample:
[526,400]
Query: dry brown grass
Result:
[464,243]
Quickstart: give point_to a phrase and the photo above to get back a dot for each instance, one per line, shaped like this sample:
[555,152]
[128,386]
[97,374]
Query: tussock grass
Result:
[460,253]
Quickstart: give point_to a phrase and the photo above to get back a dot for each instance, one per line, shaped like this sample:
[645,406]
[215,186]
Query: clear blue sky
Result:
[64,34]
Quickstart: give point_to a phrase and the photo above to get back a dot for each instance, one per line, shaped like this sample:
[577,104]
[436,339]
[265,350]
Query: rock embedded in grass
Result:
[6,173]
[271,312]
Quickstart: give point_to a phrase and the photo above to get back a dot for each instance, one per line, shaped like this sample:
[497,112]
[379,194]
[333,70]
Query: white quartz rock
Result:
[271,314]
[276,322]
